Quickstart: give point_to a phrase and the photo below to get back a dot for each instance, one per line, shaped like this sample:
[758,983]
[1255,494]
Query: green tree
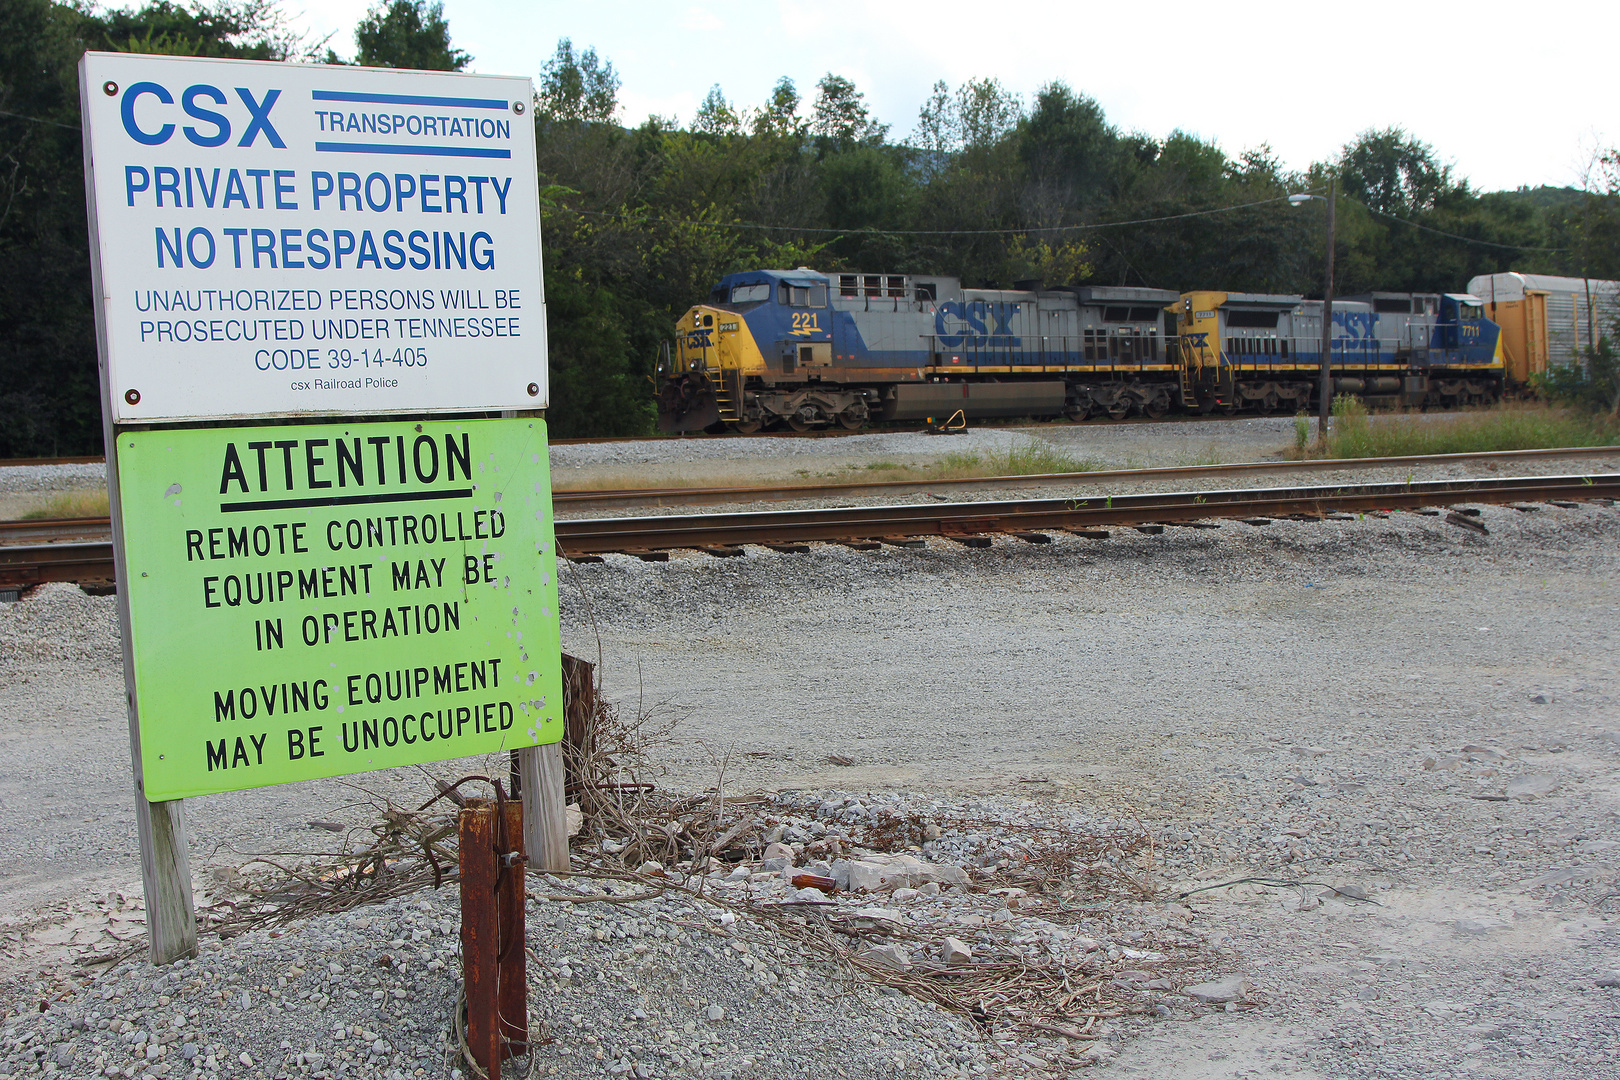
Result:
[716,115]
[985,111]
[233,29]
[840,116]
[578,88]
[407,34]
[1394,173]
[936,122]
[779,116]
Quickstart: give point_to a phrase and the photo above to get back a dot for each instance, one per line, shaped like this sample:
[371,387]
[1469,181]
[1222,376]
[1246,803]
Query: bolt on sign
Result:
[284,239]
[319,600]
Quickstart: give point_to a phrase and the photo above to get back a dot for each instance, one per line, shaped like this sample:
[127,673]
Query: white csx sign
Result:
[280,239]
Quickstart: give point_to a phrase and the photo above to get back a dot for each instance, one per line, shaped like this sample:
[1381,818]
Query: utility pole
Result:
[1324,407]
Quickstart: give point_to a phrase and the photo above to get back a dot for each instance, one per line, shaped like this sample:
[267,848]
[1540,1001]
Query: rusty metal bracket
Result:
[493,956]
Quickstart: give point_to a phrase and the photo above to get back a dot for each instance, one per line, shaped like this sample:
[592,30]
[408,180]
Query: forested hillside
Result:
[639,221]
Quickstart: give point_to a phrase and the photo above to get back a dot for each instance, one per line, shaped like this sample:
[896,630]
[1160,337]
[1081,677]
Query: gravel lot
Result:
[1392,706]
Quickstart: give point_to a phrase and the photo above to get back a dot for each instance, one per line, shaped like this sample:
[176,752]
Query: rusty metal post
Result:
[512,995]
[492,932]
[480,932]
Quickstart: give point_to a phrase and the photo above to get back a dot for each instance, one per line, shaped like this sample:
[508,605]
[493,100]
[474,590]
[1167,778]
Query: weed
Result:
[1025,457]
[1302,430]
[1508,426]
[1207,456]
[1028,457]
[70,504]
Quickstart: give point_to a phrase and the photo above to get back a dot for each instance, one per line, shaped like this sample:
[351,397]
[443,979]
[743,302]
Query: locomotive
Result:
[809,350]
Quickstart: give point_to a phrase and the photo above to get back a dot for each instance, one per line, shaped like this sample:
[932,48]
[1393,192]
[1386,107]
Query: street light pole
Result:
[1324,407]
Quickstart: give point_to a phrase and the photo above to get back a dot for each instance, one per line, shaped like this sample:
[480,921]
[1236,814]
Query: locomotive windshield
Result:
[751,294]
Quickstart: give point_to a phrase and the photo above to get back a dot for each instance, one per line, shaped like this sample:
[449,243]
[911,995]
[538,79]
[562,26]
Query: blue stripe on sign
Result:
[410,99]
[420,151]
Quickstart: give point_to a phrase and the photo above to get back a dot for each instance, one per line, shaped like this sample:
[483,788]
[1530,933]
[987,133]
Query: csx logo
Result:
[698,339]
[1356,324]
[1197,341]
[973,315]
[213,128]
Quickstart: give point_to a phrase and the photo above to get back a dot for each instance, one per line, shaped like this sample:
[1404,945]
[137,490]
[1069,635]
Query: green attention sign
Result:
[317,600]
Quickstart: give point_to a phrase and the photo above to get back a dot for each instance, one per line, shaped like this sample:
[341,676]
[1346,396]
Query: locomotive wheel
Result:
[1268,404]
[746,427]
[850,422]
[798,423]
[1119,410]
[1153,409]
[1077,413]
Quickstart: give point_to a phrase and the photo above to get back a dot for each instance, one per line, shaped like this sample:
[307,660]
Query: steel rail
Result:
[579,536]
[698,496]
[55,530]
[34,564]
[25,565]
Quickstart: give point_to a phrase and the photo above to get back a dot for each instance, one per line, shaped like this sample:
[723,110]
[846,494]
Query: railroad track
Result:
[566,501]
[972,523]
[695,496]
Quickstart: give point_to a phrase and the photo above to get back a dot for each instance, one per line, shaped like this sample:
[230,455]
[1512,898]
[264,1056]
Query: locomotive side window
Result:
[750,294]
[802,295]
[1470,311]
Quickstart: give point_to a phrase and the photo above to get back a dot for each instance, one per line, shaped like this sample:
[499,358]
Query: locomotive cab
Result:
[758,328]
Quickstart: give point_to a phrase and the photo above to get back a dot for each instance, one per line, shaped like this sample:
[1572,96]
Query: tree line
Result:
[639,222]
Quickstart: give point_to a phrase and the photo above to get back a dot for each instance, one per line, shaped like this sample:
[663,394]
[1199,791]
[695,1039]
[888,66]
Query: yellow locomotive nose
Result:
[687,400]
[696,347]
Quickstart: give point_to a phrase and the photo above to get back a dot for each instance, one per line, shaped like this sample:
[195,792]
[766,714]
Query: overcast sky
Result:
[1509,94]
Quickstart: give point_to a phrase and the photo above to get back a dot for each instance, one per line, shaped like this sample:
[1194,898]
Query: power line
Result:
[634,218]
[39,120]
[1456,236]
[924,232]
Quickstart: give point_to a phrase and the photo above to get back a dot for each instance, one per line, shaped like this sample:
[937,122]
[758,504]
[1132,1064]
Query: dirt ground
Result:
[1344,703]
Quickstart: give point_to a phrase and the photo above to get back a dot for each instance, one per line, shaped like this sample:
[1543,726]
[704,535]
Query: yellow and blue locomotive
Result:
[805,349]
[1261,353]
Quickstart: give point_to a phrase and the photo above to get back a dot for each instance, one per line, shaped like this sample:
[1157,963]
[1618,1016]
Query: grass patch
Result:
[1508,426]
[1025,457]
[70,504]
[1207,456]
